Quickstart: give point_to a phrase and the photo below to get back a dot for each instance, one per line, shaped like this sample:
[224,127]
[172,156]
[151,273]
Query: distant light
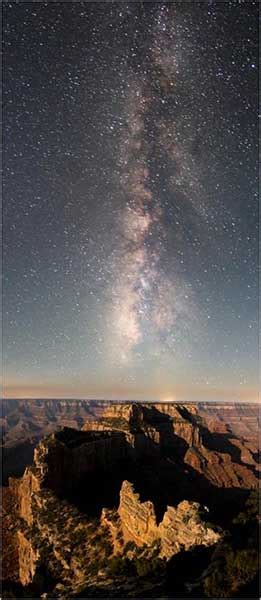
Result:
[168,399]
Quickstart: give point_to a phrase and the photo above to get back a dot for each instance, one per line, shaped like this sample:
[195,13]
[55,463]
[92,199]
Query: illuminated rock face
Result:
[28,558]
[181,527]
[138,519]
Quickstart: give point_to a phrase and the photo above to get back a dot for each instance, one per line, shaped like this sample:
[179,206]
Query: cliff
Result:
[181,527]
[173,461]
[138,519]
[187,433]
[25,422]
[28,558]
[52,535]
[64,458]
[53,532]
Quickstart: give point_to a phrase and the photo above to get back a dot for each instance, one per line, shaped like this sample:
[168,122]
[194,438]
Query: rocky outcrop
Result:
[142,437]
[181,528]
[220,469]
[23,490]
[25,422]
[64,458]
[28,559]
[110,519]
[57,537]
[138,519]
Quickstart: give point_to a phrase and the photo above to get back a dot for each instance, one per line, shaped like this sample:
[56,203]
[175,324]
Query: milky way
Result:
[144,296]
[130,213]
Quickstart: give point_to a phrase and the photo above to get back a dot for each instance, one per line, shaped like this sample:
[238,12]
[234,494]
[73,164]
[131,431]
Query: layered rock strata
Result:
[181,528]
[175,439]
[181,431]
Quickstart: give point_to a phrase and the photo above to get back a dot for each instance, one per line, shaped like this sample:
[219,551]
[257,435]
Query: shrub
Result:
[242,566]
[216,585]
[250,511]
[119,566]
[148,566]
[119,536]
[233,569]
[130,546]
[79,536]
[107,547]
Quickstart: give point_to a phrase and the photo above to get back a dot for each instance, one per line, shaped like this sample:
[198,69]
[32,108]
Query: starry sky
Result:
[130,200]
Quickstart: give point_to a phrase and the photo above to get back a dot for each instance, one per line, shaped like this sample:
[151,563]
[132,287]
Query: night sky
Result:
[130,199]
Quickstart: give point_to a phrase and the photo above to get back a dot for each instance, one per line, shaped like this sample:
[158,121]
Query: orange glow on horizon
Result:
[45,391]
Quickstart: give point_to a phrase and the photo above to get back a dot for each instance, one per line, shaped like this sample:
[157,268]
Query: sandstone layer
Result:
[222,457]
[181,528]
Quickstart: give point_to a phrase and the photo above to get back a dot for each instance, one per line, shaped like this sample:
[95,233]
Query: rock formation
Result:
[28,558]
[25,422]
[62,459]
[138,519]
[224,459]
[164,450]
[181,527]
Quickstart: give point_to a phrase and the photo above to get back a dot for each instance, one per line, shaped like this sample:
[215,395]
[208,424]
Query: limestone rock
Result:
[181,527]
[138,519]
[28,559]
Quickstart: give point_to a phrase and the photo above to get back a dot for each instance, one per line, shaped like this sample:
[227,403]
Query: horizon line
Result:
[133,400]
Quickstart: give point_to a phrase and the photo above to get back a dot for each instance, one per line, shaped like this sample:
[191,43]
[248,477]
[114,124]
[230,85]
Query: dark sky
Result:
[130,199]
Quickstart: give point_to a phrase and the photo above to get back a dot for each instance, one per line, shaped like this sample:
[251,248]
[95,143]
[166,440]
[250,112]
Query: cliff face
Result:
[182,431]
[241,419]
[49,527]
[138,519]
[181,527]
[63,459]
[54,535]
[220,469]
[29,486]
[28,558]
[25,422]
[57,535]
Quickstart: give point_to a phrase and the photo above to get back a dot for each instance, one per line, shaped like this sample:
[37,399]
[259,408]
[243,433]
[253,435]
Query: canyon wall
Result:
[181,431]
[28,558]
[63,459]
[171,445]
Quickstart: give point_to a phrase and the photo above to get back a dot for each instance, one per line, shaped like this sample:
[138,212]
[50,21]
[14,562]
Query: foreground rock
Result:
[180,529]
[53,534]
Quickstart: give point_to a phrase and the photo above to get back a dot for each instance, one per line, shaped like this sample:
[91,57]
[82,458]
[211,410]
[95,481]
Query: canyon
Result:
[133,481]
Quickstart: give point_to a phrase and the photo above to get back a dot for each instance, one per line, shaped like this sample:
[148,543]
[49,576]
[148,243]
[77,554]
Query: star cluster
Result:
[130,199]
